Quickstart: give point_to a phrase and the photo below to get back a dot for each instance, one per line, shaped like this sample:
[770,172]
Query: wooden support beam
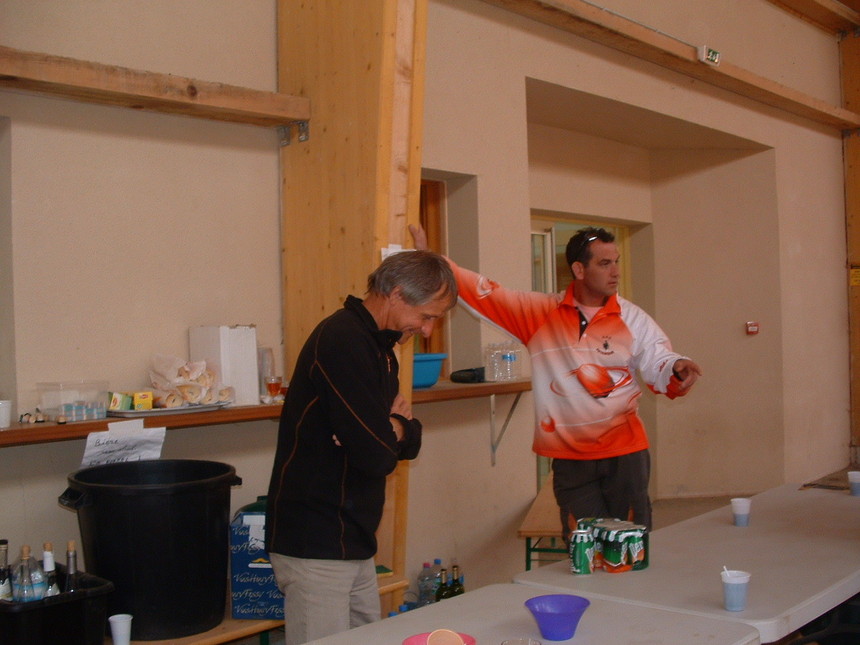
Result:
[599,25]
[830,15]
[120,86]
[849,50]
[350,190]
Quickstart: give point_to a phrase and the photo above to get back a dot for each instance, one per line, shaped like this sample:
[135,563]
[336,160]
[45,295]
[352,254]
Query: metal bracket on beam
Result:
[284,132]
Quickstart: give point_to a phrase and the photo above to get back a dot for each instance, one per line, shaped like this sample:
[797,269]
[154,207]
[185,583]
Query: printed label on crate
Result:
[254,592]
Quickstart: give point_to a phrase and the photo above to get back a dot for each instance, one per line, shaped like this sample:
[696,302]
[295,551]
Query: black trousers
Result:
[616,487]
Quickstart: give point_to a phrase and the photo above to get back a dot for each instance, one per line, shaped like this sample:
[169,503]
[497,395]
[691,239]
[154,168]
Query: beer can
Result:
[588,522]
[581,552]
[637,547]
[615,555]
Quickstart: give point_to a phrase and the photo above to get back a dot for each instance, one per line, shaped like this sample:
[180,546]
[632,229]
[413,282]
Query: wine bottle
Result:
[48,565]
[71,568]
[5,577]
[444,590]
[456,581]
[28,579]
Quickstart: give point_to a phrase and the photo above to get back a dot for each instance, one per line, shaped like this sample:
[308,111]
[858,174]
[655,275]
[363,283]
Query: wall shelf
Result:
[120,86]
[22,434]
[448,391]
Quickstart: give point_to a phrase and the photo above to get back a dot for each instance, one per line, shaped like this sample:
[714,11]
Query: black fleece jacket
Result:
[335,441]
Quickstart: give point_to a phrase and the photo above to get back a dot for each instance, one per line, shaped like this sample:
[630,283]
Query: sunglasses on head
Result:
[583,244]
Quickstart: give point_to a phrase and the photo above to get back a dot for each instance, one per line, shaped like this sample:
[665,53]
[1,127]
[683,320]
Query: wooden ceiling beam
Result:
[828,14]
[607,28]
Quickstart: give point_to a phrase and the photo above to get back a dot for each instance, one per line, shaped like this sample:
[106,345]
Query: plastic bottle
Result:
[492,362]
[28,579]
[426,585]
[5,574]
[437,576]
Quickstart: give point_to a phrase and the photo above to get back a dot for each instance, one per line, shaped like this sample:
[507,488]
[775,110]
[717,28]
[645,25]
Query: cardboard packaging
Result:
[253,590]
[232,352]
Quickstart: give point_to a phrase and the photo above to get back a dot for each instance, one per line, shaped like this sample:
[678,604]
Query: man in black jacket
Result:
[343,429]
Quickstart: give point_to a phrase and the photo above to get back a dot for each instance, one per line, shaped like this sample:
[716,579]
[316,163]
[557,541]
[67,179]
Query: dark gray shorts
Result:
[612,487]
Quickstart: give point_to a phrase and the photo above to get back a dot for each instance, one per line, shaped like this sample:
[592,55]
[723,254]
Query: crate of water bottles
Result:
[45,603]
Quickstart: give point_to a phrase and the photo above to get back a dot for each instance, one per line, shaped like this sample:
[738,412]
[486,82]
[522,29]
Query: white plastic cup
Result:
[120,629]
[741,510]
[735,587]
[5,414]
[853,481]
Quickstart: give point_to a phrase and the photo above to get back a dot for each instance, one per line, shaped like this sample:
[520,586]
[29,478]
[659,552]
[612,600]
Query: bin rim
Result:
[228,477]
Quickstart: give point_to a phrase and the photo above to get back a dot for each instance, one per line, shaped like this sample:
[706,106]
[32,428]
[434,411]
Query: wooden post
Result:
[849,48]
[351,188]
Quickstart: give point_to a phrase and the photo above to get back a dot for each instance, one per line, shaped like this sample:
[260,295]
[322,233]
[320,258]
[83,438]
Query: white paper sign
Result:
[123,441]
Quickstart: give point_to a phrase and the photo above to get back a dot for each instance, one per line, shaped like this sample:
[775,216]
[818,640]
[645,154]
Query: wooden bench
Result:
[541,527]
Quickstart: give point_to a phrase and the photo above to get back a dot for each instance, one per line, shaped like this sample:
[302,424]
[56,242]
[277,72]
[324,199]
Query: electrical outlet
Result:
[709,55]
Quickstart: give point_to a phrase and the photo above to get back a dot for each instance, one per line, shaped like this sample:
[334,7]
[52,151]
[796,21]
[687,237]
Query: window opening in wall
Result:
[551,274]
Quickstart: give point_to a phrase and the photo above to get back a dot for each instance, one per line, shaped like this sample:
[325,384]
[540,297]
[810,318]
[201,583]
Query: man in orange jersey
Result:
[585,347]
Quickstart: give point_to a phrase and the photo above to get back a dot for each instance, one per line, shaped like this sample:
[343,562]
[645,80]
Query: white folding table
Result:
[802,547]
[494,613]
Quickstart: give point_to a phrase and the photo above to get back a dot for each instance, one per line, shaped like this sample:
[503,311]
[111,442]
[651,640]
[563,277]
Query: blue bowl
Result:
[426,369]
[558,614]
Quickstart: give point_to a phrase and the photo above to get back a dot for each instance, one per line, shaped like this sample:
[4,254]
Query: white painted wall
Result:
[126,228]
[742,231]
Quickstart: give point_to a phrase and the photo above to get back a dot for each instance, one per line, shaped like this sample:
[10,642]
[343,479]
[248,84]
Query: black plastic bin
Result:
[78,618]
[159,530]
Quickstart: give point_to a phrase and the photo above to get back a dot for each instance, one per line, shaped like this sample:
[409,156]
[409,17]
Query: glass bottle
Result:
[456,584]
[444,590]
[51,586]
[5,577]
[71,583]
[28,580]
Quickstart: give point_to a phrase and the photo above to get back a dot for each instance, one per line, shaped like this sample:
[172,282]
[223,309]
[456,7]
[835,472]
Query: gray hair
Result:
[422,276]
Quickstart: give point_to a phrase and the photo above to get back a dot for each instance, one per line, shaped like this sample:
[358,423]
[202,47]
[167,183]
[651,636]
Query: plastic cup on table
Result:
[741,510]
[854,482]
[120,629]
[5,414]
[735,588]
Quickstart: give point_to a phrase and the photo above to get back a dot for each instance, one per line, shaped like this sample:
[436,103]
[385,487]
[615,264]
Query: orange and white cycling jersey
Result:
[585,392]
